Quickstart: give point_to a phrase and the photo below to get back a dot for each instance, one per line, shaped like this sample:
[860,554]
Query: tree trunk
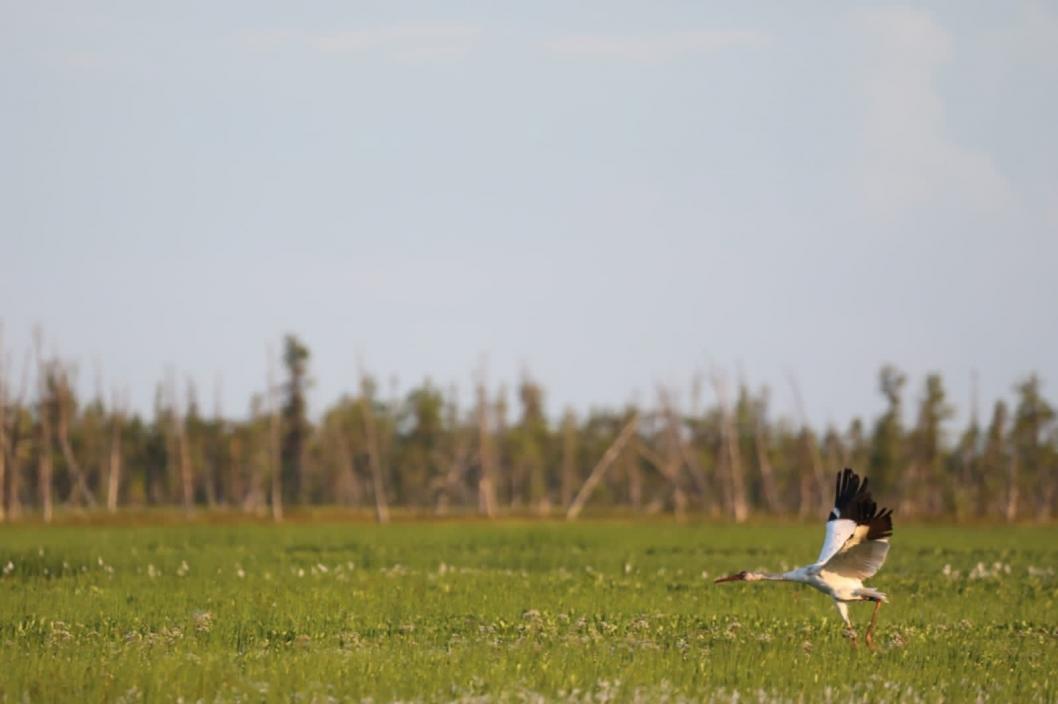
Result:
[375,462]
[276,469]
[815,461]
[569,458]
[600,468]
[767,474]
[349,491]
[486,458]
[909,481]
[1013,490]
[14,474]
[182,458]
[64,403]
[668,467]
[453,479]
[677,456]
[731,453]
[1046,509]
[14,438]
[635,480]
[806,503]
[274,448]
[3,436]
[44,464]
[114,467]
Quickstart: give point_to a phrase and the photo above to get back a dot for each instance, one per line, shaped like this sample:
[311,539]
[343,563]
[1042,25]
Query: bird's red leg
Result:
[850,632]
[868,637]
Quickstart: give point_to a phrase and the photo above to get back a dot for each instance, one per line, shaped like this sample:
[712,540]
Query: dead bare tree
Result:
[14,435]
[689,452]
[486,456]
[64,402]
[634,474]
[45,468]
[600,468]
[117,422]
[451,487]
[452,482]
[349,491]
[274,447]
[730,452]
[674,452]
[180,453]
[668,465]
[208,451]
[502,472]
[115,455]
[3,427]
[367,413]
[249,462]
[811,449]
[1010,508]
[569,457]
[760,444]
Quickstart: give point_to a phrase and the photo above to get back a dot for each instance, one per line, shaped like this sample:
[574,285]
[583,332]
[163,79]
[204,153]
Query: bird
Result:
[855,545]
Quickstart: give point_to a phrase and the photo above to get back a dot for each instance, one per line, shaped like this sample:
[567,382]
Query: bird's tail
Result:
[872,595]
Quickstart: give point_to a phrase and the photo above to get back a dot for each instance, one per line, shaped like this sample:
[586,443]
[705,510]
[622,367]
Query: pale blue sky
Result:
[609,194]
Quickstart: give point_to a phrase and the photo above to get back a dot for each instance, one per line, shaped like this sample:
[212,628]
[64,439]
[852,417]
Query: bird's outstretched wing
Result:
[854,519]
[861,560]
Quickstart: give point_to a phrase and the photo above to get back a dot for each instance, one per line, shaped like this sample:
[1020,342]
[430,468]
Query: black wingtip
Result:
[852,500]
[880,525]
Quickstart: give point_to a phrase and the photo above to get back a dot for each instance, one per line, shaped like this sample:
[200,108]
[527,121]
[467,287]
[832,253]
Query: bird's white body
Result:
[834,585]
[841,588]
[855,546]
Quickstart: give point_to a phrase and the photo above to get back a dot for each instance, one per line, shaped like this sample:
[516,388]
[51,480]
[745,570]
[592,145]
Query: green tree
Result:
[295,421]
[926,482]
[1033,453]
[965,474]
[999,495]
[887,442]
[528,443]
[417,474]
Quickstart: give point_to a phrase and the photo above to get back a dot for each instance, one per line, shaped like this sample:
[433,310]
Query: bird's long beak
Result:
[729,578]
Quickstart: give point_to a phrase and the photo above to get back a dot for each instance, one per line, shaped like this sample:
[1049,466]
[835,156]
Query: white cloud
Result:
[658,47]
[910,159]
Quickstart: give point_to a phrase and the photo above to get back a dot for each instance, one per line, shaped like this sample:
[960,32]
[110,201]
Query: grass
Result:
[594,612]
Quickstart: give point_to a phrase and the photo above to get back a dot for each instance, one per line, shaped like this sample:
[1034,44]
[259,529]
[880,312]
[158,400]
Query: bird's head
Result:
[742,576]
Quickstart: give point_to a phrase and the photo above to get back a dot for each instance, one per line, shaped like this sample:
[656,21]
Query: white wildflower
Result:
[203,621]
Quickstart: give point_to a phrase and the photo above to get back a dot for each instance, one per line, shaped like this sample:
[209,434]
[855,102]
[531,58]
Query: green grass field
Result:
[599,611]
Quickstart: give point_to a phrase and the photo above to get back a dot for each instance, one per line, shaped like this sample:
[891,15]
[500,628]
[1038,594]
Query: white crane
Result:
[854,548]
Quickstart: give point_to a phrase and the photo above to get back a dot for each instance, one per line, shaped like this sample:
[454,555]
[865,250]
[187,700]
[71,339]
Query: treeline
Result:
[426,452]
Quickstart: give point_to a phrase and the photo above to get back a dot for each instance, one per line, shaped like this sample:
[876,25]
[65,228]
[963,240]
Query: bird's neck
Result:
[791,576]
